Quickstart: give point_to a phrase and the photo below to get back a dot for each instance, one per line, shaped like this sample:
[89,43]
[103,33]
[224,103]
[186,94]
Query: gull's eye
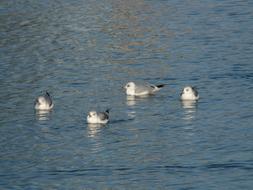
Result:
[128,85]
[187,89]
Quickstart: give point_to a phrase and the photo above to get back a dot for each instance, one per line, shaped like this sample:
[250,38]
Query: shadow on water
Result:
[117,121]
[173,169]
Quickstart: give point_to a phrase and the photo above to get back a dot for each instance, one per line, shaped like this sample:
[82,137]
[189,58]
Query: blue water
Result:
[83,52]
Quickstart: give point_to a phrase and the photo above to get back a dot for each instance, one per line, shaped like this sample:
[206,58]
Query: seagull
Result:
[44,102]
[189,93]
[98,117]
[133,89]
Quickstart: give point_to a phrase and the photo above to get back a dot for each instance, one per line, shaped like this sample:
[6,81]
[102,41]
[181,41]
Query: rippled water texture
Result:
[83,53]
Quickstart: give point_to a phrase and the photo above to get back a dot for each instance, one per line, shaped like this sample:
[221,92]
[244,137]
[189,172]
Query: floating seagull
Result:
[189,93]
[98,117]
[44,102]
[133,89]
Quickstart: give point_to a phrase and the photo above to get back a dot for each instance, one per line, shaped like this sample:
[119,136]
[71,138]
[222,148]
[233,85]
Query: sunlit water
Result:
[83,52]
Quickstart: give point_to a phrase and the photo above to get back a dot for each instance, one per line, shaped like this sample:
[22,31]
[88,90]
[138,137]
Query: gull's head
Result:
[92,114]
[130,85]
[41,100]
[92,117]
[130,88]
[42,103]
[188,90]
[189,93]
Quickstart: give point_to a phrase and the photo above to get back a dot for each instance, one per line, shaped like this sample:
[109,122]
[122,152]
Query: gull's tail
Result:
[160,85]
[108,110]
[47,94]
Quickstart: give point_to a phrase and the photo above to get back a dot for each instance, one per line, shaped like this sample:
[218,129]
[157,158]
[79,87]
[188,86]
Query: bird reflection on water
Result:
[43,115]
[190,108]
[94,129]
[130,100]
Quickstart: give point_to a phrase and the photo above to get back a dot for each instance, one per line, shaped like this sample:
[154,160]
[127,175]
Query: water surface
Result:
[83,52]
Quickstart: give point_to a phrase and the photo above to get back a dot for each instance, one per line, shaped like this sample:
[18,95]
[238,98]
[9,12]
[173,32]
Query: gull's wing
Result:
[139,89]
[103,115]
[195,91]
[48,98]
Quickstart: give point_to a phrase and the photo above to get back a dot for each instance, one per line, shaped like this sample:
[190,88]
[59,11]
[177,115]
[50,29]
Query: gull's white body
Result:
[133,89]
[98,117]
[189,93]
[44,102]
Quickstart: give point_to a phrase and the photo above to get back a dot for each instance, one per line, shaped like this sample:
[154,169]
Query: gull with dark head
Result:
[44,102]
[134,89]
[98,117]
[189,93]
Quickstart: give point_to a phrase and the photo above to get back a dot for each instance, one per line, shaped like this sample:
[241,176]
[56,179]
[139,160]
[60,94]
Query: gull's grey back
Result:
[143,88]
[103,115]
